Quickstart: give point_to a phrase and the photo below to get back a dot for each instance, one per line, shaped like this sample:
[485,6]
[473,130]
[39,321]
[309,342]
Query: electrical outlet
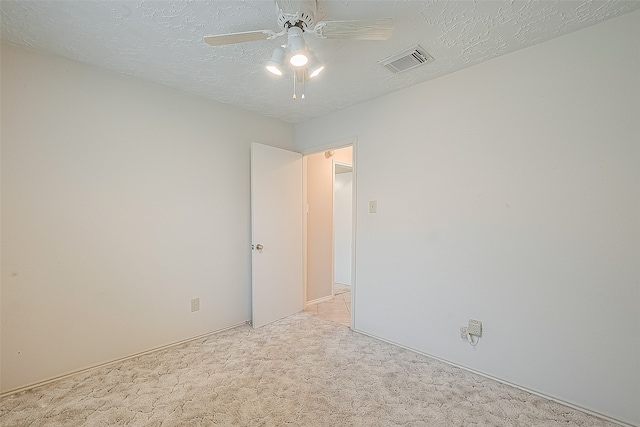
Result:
[463,332]
[195,304]
[475,327]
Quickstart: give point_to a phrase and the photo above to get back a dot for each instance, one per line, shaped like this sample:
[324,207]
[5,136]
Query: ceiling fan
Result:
[295,18]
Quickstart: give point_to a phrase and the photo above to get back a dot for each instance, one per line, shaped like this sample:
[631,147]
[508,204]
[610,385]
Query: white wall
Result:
[343,227]
[518,204]
[121,201]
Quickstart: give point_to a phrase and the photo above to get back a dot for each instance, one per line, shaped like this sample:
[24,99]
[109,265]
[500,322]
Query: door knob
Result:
[259,247]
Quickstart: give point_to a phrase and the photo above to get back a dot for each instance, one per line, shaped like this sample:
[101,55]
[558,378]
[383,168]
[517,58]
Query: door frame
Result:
[347,142]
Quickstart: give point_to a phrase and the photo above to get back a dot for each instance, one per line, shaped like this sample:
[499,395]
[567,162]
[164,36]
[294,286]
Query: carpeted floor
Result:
[300,371]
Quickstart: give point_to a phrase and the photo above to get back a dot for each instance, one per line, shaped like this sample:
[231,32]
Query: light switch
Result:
[373,206]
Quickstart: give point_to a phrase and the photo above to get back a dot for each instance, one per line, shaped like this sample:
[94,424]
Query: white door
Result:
[276,230]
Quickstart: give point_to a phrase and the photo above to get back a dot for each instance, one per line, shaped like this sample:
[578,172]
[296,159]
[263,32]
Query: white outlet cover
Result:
[475,328]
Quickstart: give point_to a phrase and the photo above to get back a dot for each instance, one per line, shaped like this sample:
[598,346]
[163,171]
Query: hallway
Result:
[336,310]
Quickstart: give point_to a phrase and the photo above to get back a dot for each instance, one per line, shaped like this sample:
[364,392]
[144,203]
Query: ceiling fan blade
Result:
[287,6]
[355,30]
[247,36]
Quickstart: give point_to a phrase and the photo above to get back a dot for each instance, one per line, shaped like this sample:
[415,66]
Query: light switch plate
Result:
[475,328]
[373,206]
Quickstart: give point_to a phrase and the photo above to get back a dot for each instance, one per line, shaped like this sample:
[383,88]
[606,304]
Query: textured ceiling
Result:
[162,42]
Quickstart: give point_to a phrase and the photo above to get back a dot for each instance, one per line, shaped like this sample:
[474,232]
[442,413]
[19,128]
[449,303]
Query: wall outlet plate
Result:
[195,304]
[475,328]
[463,332]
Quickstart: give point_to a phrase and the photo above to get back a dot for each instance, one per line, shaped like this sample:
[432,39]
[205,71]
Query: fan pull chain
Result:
[304,80]
[294,85]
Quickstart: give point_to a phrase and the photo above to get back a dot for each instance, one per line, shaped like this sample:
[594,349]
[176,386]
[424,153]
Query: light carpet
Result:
[300,371]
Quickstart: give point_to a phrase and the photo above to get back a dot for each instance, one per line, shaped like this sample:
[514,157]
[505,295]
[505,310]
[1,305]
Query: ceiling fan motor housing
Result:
[304,17]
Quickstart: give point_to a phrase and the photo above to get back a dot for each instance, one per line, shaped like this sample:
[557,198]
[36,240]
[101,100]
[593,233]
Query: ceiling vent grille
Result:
[407,60]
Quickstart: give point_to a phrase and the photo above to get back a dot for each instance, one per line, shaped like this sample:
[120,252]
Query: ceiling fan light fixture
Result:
[298,59]
[316,71]
[274,69]
[314,67]
[297,46]
[275,64]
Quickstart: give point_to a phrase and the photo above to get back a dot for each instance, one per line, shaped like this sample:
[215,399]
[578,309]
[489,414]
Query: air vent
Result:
[407,59]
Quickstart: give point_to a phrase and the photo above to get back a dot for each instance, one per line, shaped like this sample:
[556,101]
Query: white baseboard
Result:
[554,399]
[319,300]
[101,365]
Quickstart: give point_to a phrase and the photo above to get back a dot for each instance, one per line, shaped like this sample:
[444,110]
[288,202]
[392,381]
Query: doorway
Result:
[309,189]
[329,233]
